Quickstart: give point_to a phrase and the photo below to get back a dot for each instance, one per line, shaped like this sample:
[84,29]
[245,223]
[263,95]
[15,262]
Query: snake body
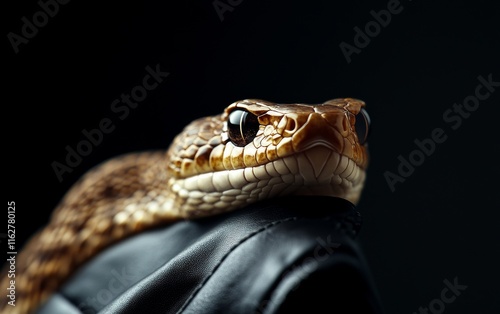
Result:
[252,151]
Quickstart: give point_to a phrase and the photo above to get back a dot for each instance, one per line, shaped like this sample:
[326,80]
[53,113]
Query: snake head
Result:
[258,149]
[279,130]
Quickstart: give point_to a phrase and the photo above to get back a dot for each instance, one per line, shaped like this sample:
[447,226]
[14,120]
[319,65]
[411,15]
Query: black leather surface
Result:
[288,255]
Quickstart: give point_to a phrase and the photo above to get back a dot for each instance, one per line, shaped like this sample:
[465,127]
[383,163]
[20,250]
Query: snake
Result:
[252,151]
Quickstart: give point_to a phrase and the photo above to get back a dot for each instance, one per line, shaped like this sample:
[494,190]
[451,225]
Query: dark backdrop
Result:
[439,224]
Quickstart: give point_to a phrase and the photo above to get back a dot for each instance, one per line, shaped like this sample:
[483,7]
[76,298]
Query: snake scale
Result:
[254,150]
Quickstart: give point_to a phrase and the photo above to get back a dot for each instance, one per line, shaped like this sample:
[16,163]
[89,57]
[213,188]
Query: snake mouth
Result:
[325,171]
[320,143]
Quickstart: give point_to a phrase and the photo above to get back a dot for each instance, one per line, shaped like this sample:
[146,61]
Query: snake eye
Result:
[362,125]
[242,127]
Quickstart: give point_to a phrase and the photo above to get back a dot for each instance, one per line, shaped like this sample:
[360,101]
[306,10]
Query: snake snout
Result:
[319,130]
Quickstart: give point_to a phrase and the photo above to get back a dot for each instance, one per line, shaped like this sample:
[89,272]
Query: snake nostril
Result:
[287,126]
[346,125]
[290,125]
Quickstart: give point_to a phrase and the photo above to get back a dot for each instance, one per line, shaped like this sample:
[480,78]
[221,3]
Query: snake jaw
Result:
[326,172]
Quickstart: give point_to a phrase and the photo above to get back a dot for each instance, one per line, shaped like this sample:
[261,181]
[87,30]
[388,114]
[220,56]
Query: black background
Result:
[439,224]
